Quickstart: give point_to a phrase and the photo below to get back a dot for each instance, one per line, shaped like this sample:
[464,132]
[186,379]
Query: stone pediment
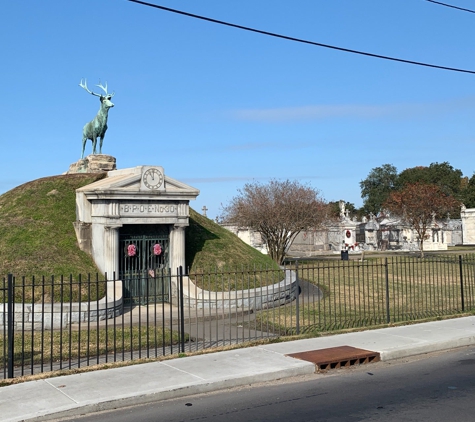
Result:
[144,193]
[127,183]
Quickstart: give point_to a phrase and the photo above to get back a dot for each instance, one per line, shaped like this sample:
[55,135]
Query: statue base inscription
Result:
[94,163]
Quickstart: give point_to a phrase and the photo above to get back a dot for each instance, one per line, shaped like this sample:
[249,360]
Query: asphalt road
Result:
[435,387]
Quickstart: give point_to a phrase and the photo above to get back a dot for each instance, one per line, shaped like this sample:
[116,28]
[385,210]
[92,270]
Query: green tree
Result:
[417,204]
[449,180]
[468,193]
[279,211]
[375,189]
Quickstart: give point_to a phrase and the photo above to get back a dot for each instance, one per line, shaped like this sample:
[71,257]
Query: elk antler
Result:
[105,89]
[84,86]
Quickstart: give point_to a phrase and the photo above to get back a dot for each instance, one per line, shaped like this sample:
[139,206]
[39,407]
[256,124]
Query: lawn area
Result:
[34,347]
[376,291]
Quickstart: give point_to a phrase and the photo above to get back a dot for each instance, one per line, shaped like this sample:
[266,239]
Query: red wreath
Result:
[131,250]
[157,249]
[348,234]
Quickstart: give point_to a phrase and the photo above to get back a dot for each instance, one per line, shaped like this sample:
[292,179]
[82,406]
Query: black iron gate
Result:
[144,263]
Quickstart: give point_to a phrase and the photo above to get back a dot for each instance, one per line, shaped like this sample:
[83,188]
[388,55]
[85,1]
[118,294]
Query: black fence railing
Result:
[382,291]
[59,324]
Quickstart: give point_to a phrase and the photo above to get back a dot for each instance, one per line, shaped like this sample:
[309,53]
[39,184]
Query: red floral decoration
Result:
[131,250]
[348,234]
[157,249]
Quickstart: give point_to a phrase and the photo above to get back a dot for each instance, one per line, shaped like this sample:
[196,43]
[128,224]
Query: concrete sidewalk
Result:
[105,389]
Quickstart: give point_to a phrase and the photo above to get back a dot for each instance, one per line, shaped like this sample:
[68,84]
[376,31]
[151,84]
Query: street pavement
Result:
[66,396]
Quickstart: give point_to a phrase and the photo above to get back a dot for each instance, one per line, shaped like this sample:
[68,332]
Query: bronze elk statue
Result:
[97,127]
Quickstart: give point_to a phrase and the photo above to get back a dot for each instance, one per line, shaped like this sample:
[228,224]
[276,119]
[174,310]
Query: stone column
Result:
[177,248]
[111,250]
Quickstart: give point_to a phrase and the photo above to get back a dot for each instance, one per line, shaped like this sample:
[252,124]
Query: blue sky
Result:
[218,107]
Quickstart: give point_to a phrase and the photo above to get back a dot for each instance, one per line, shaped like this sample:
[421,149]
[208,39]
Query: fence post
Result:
[182,311]
[461,283]
[388,314]
[10,315]
[297,303]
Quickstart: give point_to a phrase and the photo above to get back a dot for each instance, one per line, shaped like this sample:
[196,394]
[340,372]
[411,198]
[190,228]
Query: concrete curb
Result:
[427,348]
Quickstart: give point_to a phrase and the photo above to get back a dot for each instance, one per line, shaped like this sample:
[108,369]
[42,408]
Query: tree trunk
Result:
[274,251]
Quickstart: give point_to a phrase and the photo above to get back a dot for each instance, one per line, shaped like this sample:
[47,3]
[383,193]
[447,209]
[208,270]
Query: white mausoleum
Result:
[133,220]
[468,225]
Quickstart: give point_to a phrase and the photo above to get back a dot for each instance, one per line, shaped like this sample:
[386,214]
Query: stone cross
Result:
[204,209]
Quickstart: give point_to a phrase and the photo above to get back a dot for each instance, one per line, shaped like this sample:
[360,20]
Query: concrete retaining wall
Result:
[254,299]
[59,315]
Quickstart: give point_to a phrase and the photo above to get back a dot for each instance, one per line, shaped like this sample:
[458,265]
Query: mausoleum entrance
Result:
[144,263]
[132,222]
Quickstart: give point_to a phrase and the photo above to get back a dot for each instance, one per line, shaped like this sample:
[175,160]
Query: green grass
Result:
[37,236]
[212,247]
[54,346]
[356,294]
[219,261]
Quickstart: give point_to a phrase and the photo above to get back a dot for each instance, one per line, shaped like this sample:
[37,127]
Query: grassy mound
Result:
[37,236]
[212,247]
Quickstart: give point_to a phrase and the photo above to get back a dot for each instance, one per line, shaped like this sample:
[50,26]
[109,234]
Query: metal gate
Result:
[144,263]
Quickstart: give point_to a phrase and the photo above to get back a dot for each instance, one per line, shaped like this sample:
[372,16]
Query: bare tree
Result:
[278,210]
[418,204]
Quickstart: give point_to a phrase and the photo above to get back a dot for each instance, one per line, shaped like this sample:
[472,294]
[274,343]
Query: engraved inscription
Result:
[148,209]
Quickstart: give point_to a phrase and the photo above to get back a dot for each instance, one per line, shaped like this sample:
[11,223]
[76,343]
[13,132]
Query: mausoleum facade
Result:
[135,219]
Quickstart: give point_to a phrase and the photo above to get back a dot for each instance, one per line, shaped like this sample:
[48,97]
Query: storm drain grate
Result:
[337,357]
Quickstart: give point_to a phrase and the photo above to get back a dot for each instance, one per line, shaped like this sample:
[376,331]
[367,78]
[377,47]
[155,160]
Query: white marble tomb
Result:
[468,225]
[141,195]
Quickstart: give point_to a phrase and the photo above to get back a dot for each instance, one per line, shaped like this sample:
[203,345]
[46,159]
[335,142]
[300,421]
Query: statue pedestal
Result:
[94,163]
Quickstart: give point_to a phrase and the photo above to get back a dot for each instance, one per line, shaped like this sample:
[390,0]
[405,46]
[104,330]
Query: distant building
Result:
[468,225]
[248,236]
[376,233]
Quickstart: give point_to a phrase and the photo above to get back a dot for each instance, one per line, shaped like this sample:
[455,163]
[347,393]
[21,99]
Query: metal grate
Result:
[144,269]
[337,357]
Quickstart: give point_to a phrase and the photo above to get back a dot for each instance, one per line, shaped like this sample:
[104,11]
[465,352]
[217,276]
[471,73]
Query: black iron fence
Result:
[59,324]
[382,291]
